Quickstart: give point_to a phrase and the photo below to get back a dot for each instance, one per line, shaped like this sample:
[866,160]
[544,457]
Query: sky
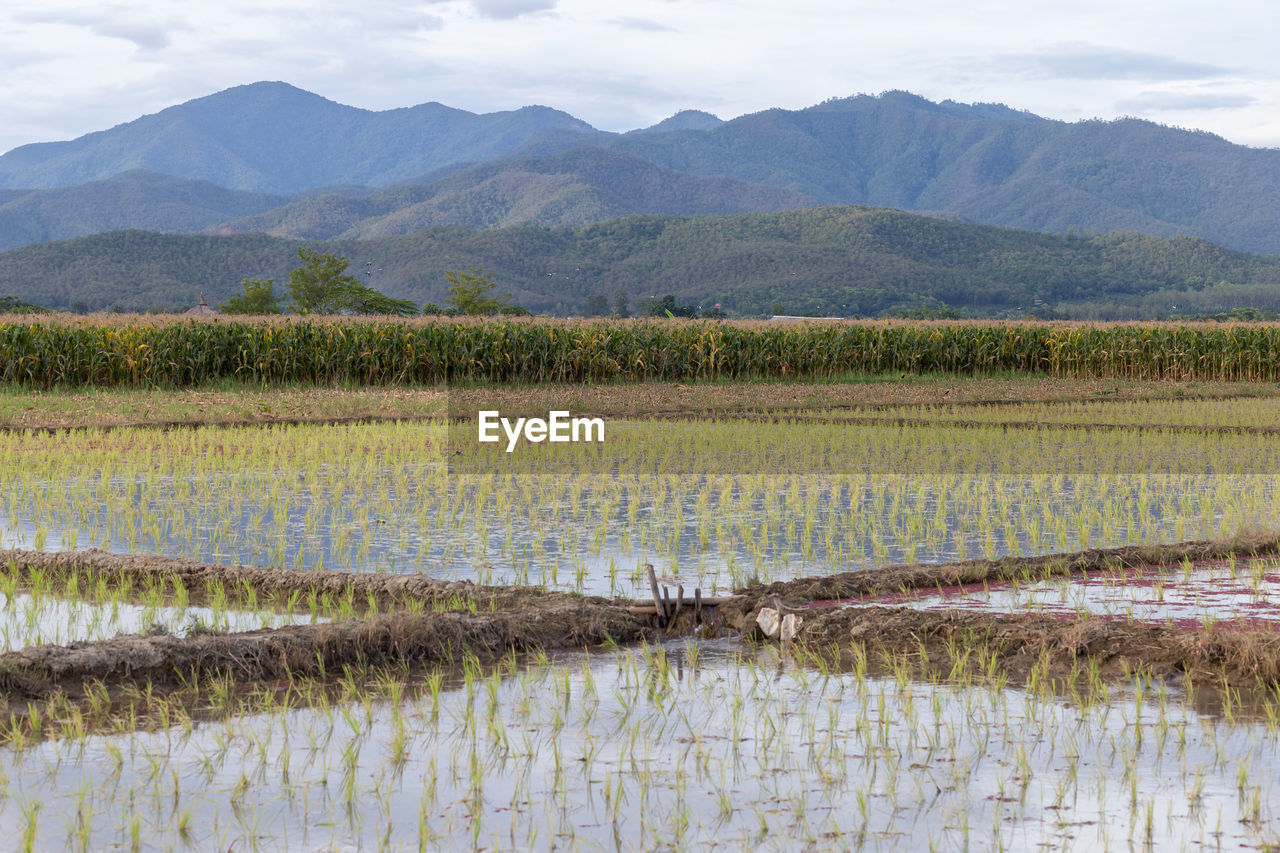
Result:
[69,67]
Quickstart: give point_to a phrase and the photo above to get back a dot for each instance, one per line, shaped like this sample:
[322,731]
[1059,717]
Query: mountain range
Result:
[827,260]
[274,160]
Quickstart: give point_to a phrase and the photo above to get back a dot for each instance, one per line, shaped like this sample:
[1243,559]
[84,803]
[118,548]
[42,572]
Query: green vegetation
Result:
[256,297]
[184,354]
[470,290]
[876,726]
[322,286]
[12,305]
[843,261]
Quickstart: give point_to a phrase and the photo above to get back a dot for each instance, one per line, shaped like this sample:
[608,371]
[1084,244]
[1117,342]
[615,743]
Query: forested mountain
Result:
[841,260]
[982,162]
[994,165]
[420,190]
[574,187]
[136,199]
[273,137]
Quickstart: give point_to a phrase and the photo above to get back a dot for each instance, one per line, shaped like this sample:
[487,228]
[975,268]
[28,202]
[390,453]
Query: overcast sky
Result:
[67,68]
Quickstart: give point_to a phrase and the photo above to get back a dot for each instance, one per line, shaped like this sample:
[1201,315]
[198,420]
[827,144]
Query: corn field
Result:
[179,353]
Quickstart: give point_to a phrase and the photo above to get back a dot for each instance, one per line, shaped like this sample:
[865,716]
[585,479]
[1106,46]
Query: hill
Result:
[574,187]
[841,260]
[136,199]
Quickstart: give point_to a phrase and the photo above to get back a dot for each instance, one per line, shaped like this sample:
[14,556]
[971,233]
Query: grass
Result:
[224,402]
[230,402]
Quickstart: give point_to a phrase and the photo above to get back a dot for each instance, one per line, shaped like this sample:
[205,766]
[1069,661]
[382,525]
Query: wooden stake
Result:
[657,597]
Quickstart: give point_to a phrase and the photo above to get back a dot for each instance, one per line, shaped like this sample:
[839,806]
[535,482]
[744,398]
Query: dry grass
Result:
[233,405]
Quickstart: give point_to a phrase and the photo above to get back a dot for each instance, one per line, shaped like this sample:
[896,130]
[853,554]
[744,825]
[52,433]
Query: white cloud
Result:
[72,66]
[503,10]
[1100,62]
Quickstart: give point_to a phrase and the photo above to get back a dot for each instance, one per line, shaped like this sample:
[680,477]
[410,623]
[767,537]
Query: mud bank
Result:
[740,611]
[1064,650]
[273,586]
[165,662]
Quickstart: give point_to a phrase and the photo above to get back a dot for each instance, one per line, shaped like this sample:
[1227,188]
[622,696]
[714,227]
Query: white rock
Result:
[768,621]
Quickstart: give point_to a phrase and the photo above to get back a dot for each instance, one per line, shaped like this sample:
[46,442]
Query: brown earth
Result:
[1062,650]
[740,611]
[168,662]
[514,620]
[120,408]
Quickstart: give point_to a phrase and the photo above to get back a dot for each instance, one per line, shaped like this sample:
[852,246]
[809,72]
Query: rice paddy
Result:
[671,746]
[716,503]
[710,740]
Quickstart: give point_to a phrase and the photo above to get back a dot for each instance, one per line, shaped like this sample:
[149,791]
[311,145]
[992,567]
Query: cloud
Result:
[503,10]
[642,24]
[145,36]
[1175,101]
[106,21]
[1096,62]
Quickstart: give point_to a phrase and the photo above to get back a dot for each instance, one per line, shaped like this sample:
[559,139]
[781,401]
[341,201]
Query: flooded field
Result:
[422,704]
[679,745]
[714,504]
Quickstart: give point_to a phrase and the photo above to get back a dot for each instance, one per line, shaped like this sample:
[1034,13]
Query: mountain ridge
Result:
[842,260]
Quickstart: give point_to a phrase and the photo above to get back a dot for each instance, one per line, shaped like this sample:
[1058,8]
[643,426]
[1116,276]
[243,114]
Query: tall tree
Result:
[323,286]
[256,296]
[469,292]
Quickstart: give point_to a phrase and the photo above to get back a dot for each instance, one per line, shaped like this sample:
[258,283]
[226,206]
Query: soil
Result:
[1062,650]
[168,662]
[131,408]
[741,609]
[516,620]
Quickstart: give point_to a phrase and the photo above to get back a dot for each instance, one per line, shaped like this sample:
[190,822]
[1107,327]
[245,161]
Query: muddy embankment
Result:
[890,579]
[491,622]
[402,639]
[843,622]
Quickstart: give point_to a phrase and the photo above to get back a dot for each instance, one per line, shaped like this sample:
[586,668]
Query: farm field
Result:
[345,624]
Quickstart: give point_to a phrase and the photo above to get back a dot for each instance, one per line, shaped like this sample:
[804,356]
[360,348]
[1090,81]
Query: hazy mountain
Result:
[994,165]
[982,163]
[136,199]
[685,120]
[843,260]
[575,187]
[276,138]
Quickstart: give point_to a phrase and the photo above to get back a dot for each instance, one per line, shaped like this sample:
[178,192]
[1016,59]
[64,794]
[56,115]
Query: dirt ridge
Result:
[741,609]
[167,661]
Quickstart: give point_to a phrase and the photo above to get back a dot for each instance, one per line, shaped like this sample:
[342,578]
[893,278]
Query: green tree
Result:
[322,285]
[668,307]
[622,304]
[256,296]
[366,300]
[597,306]
[469,292]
